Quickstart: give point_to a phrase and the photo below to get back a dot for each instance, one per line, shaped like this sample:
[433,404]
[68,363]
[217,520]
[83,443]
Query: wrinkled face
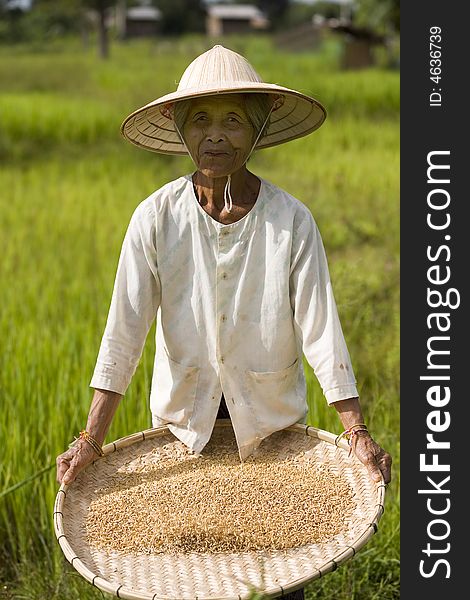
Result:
[218,134]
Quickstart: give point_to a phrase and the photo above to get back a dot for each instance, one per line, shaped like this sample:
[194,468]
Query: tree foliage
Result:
[275,10]
[53,18]
[180,16]
[50,18]
[382,16]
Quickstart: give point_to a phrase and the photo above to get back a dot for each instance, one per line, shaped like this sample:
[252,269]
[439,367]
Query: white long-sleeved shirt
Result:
[236,306]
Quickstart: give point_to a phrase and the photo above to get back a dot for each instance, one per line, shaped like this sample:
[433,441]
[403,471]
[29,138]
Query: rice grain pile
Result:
[172,501]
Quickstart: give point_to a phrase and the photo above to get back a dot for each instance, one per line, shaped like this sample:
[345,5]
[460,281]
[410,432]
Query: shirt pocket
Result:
[276,396]
[176,387]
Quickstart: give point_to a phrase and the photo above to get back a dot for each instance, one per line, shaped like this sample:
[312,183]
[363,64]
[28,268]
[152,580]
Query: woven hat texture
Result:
[222,71]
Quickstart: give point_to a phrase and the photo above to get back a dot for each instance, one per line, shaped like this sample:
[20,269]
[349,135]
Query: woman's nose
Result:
[215,133]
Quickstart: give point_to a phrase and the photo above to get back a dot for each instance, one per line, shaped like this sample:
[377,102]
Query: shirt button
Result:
[223,318]
[222,360]
[224,275]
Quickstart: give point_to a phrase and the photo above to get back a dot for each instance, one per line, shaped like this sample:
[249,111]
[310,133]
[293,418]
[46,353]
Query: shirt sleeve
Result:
[315,314]
[134,304]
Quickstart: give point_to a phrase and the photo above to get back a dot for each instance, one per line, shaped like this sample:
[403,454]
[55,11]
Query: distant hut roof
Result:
[358,33]
[143,13]
[235,11]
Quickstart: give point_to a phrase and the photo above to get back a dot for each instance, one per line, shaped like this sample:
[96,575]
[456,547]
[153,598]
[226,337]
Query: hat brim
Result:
[298,116]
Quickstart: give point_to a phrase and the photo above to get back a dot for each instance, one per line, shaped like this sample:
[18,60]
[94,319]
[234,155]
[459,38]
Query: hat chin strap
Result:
[227,195]
[228,201]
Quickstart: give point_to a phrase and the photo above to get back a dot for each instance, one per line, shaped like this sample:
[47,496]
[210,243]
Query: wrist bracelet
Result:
[350,433]
[84,435]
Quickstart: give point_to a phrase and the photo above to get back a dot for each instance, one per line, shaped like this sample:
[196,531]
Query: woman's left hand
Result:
[377,461]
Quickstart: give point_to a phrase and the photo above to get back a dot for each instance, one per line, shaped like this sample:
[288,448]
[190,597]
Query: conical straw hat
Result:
[222,71]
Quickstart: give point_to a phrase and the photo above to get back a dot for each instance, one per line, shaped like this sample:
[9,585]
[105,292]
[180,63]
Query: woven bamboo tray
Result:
[224,575]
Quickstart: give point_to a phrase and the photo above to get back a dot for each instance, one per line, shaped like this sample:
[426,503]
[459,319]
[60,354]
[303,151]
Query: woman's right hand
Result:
[75,459]
[70,463]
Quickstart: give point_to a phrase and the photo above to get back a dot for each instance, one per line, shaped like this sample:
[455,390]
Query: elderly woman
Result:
[234,270]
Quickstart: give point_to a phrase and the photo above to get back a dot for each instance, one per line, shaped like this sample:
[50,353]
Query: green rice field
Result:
[68,186]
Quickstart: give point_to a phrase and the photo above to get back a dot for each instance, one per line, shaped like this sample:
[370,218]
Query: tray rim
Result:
[121,591]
